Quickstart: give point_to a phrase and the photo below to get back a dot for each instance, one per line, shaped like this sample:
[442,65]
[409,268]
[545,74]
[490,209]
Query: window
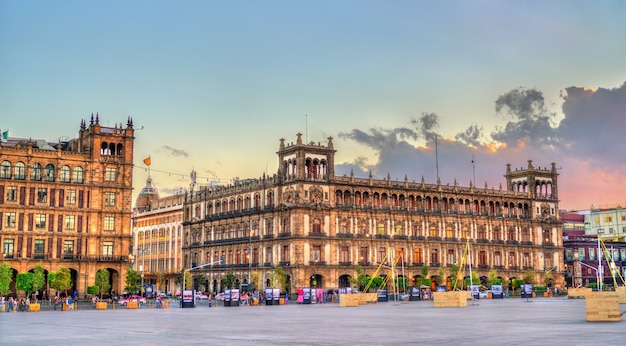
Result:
[7,249]
[482,258]
[107,248]
[109,223]
[268,254]
[466,232]
[285,253]
[316,253]
[449,232]
[35,172]
[79,177]
[592,254]
[433,231]
[608,219]
[497,258]
[344,255]
[363,254]
[482,234]
[382,253]
[5,170]
[525,235]
[64,174]
[40,221]
[398,229]
[42,195]
[110,174]
[581,254]
[526,260]
[11,193]
[109,199]
[451,258]
[68,247]
[417,255]
[70,222]
[512,262]
[49,173]
[70,197]
[20,171]
[10,220]
[39,246]
[434,257]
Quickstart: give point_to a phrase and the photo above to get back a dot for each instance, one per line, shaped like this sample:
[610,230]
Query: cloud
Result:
[587,143]
[175,152]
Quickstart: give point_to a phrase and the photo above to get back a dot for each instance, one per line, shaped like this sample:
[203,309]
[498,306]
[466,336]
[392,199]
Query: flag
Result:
[147,161]
[5,136]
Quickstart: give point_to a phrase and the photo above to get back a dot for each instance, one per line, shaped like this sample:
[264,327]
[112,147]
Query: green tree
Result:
[39,279]
[229,280]
[361,278]
[132,280]
[200,280]
[24,282]
[278,279]
[441,276]
[256,280]
[529,276]
[493,279]
[377,282]
[93,290]
[103,281]
[160,281]
[401,284]
[6,278]
[60,280]
[454,277]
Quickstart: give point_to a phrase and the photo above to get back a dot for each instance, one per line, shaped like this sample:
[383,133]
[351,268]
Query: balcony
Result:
[345,264]
[284,263]
[317,263]
[400,237]
[317,235]
[268,236]
[284,235]
[345,235]
[383,236]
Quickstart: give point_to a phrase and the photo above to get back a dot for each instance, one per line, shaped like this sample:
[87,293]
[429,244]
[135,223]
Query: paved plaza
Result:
[515,321]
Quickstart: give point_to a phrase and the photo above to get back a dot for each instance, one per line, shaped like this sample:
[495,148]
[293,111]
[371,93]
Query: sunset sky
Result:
[214,85]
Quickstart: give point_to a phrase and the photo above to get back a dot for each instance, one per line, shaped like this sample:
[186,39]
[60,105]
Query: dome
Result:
[147,197]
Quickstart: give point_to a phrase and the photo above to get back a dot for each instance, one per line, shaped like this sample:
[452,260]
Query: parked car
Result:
[134,298]
[200,295]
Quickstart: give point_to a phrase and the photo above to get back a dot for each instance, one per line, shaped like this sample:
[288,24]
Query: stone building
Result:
[157,235]
[67,203]
[318,226]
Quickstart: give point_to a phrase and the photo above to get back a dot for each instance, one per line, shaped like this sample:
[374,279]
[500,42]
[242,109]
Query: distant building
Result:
[67,203]
[318,227]
[157,233]
[583,250]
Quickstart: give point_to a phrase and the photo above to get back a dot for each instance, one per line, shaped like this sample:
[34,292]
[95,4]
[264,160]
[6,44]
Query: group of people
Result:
[20,304]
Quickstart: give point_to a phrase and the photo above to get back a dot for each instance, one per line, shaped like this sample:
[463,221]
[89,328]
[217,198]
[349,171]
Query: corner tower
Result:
[310,161]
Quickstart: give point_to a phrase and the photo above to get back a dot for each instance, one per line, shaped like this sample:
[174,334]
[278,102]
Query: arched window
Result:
[49,172]
[35,172]
[79,176]
[64,174]
[20,171]
[118,151]
[5,170]
[104,149]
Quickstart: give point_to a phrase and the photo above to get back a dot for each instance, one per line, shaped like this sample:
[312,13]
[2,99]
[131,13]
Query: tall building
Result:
[318,226]
[67,203]
[157,233]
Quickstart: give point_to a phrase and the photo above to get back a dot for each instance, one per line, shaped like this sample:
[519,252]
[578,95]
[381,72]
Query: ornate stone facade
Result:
[67,203]
[318,227]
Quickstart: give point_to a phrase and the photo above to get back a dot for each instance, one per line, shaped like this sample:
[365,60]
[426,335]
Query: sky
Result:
[212,86]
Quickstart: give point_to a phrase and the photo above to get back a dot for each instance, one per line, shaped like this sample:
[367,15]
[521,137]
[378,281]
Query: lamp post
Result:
[600,272]
[250,258]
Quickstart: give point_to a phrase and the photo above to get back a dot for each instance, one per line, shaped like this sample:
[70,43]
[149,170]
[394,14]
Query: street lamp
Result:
[197,267]
[600,271]
[250,258]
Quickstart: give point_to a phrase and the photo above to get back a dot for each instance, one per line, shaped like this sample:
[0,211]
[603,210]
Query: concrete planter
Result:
[34,307]
[101,306]
[349,299]
[132,305]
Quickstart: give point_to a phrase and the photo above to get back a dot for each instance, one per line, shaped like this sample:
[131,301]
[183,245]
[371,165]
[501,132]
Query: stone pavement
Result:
[514,321]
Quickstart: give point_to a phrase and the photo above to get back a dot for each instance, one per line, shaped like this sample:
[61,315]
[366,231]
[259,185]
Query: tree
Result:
[6,277]
[441,276]
[256,279]
[39,279]
[361,279]
[529,276]
[279,279]
[160,281]
[229,280]
[547,278]
[132,280]
[61,280]
[24,282]
[401,283]
[200,280]
[377,282]
[103,281]
[455,281]
[493,279]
